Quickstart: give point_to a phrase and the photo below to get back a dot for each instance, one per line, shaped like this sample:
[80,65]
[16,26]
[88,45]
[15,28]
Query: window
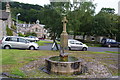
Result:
[8,39]
[21,40]
[71,42]
[113,41]
[36,29]
[11,39]
[79,43]
[14,39]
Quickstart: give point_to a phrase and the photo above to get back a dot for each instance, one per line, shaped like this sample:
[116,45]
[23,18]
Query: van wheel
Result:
[109,45]
[84,49]
[69,48]
[7,47]
[32,48]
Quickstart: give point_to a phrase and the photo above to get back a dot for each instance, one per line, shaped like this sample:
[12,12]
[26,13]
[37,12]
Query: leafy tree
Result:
[81,18]
[108,10]
[105,24]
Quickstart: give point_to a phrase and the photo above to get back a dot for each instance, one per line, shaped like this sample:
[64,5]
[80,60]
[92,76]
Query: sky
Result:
[100,3]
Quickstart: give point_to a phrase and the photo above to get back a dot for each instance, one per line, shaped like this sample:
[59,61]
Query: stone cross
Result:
[64,24]
[64,38]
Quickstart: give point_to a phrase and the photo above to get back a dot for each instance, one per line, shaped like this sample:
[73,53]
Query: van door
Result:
[23,43]
[12,41]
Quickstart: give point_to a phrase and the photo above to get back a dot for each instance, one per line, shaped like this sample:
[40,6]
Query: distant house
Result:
[37,28]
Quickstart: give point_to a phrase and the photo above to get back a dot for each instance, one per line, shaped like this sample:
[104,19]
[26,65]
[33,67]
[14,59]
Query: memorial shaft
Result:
[64,36]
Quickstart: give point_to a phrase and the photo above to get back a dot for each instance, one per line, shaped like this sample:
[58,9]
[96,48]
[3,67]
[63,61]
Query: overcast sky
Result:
[100,3]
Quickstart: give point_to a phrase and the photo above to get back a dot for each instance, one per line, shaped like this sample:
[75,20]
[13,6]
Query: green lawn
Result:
[112,52]
[14,60]
[43,43]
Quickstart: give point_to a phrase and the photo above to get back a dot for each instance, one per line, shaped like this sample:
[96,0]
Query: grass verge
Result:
[13,60]
[43,43]
[112,52]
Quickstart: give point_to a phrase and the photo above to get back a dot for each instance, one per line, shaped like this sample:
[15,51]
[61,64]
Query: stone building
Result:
[37,28]
[5,20]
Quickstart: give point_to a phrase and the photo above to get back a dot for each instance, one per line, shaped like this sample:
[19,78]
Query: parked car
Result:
[32,38]
[76,45]
[9,42]
[110,42]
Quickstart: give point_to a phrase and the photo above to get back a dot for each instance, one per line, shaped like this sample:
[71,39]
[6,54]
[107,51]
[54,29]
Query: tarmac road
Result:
[95,49]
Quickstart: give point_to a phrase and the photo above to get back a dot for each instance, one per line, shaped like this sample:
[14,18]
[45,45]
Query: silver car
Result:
[76,45]
[9,42]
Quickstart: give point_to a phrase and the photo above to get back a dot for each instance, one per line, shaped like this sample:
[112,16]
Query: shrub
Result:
[20,34]
[14,27]
[9,31]
[31,34]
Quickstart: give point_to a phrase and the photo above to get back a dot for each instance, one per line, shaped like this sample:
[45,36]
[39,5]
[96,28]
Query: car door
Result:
[22,43]
[12,42]
[79,45]
[71,44]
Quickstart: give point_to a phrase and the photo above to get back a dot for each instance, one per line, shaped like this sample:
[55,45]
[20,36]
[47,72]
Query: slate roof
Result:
[4,15]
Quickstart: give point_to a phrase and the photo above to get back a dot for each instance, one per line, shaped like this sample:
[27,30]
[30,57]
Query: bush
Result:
[31,34]
[14,27]
[20,34]
[9,31]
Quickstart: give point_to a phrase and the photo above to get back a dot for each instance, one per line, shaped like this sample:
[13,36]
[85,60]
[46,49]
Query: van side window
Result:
[8,39]
[72,42]
[14,39]
[21,40]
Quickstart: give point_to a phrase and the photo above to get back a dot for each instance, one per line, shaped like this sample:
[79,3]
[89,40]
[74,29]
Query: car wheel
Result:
[69,48]
[109,45]
[84,49]
[7,47]
[32,48]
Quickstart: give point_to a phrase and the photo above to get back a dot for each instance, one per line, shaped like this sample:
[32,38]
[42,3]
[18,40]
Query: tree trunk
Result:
[74,35]
[84,37]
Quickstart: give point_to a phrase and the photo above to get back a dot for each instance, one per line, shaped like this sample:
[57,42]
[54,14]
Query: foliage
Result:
[80,15]
[108,10]
[9,32]
[112,52]
[14,27]
[42,43]
[30,34]
[104,24]
[20,34]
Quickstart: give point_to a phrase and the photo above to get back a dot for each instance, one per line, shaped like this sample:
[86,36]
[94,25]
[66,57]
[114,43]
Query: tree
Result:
[81,18]
[105,24]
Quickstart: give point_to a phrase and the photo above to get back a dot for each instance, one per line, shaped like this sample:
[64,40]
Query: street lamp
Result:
[17,21]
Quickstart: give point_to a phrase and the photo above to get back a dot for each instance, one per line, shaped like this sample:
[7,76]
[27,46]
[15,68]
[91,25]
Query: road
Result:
[95,49]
